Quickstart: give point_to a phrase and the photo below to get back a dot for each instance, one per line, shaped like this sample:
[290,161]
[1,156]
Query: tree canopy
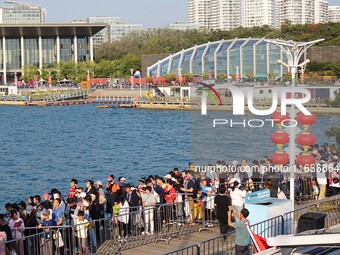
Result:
[169,41]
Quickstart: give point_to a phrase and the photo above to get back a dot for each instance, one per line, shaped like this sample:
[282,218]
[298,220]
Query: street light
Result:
[293,51]
[15,79]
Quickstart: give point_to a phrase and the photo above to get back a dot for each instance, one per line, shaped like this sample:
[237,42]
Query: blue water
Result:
[45,147]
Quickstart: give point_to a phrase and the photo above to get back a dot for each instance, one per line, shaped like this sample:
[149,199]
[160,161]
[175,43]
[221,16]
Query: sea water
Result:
[45,147]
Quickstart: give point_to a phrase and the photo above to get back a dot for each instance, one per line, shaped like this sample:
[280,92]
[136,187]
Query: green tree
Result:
[287,76]
[336,101]
[29,72]
[170,77]
[250,75]
[334,132]
[188,76]
[204,75]
[271,75]
[222,76]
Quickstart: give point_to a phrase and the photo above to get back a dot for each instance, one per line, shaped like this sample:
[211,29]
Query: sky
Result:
[149,13]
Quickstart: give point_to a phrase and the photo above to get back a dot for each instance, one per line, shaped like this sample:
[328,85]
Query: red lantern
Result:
[280,158]
[305,160]
[278,118]
[280,137]
[305,139]
[306,119]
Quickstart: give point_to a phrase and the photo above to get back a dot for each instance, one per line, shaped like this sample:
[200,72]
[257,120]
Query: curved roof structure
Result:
[244,56]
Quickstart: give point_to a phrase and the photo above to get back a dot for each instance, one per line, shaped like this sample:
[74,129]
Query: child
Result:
[315,189]
[46,239]
[81,226]
[198,211]
[242,235]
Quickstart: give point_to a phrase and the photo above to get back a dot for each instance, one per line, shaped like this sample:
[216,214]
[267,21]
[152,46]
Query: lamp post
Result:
[88,79]
[237,76]
[15,79]
[40,73]
[140,85]
[293,51]
[49,79]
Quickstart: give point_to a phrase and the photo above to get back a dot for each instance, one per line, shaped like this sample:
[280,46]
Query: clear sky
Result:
[150,13]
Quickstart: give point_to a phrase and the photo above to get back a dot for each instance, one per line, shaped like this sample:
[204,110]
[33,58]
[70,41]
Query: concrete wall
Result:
[324,54]
[117,93]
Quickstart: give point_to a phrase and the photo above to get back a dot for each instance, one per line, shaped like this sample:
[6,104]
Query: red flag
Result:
[259,242]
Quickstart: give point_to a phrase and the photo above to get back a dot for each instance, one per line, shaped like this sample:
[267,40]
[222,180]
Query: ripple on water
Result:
[45,147]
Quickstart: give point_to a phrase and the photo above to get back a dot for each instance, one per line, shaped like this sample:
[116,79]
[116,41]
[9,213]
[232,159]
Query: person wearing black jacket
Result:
[31,223]
[134,201]
[222,207]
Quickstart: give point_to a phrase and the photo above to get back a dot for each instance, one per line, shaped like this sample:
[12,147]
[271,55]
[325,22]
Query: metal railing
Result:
[280,225]
[188,250]
[136,226]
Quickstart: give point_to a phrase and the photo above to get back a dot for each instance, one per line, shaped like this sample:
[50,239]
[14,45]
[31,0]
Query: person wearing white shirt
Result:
[237,197]
[17,225]
[322,179]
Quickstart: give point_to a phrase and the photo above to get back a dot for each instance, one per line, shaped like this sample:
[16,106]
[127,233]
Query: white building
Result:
[119,30]
[199,11]
[334,13]
[115,29]
[22,13]
[183,26]
[230,14]
[321,11]
[260,12]
[226,15]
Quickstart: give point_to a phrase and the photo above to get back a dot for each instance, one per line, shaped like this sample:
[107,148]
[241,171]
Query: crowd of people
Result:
[186,190]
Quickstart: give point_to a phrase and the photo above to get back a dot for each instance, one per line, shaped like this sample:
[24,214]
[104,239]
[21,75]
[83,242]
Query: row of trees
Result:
[170,41]
[78,72]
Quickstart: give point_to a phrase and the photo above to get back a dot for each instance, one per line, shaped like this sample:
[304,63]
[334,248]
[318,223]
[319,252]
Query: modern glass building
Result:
[44,44]
[251,55]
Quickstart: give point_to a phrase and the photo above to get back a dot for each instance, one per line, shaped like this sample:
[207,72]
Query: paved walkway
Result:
[175,243]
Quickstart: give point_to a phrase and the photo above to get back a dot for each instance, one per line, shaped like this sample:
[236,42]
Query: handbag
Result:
[102,199]
[335,180]
[281,194]
[58,239]
[12,252]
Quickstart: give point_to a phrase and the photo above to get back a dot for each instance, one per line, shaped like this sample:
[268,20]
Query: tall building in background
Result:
[225,14]
[260,12]
[297,11]
[199,11]
[334,13]
[114,31]
[321,11]
[22,13]
[230,14]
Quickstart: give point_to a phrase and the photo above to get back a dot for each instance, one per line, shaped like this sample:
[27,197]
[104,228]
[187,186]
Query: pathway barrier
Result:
[114,99]
[280,225]
[136,226]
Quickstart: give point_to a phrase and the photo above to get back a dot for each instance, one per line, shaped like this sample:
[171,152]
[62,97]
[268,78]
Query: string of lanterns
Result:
[305,139]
